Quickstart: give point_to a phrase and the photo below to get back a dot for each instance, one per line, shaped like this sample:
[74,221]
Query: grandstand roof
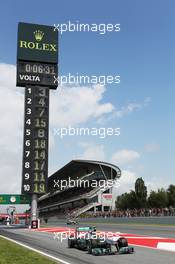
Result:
[78,168]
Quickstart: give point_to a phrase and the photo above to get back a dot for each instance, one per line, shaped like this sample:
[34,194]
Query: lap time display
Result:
[39,68]
[35,73]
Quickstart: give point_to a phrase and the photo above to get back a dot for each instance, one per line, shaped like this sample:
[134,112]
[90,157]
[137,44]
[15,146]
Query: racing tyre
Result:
[89,249]
[122,242]
[71,243]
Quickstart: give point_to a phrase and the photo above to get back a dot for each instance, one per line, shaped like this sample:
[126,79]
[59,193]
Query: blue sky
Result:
[142,53]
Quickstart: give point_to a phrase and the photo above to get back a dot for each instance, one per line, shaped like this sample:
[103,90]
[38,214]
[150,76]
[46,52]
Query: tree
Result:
[158,199]
[126,201]
[171,195]
[141,193]
[122,201]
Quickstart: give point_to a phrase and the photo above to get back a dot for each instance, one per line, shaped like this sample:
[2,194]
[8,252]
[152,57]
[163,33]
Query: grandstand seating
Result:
[73,201]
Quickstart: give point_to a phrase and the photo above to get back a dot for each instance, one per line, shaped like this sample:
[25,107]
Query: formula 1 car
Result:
[86,238]
[72,221]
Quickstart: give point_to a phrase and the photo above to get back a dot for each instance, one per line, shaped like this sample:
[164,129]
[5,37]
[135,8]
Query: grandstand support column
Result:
[112,207]
[102,208]
[34,207]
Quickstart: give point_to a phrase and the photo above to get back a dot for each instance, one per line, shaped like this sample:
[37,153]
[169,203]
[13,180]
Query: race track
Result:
[44,241]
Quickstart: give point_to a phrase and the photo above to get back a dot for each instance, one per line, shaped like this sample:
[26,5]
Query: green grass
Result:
[11,253]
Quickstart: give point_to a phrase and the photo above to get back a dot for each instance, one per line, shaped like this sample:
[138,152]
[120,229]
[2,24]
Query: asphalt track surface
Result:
[45,242]
[140,229]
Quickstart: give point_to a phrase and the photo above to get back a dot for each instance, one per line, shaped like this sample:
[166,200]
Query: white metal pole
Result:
[34,203]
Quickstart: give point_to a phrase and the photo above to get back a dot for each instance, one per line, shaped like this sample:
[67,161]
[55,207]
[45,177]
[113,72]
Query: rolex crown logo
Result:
[38,35]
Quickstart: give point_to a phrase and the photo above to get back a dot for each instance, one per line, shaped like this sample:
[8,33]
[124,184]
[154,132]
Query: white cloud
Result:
[132,107]
[11,109]
[92,152]
[152,147]
[125,156]
[156,183]
[77,105]
[128,178]
[126,110]
[126,182]
[7,76]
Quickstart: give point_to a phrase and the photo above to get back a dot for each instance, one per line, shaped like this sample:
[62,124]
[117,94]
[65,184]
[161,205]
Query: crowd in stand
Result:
[144,212]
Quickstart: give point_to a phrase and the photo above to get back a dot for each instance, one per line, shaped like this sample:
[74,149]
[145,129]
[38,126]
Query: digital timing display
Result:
[35,151]
[39,68]
[35,73]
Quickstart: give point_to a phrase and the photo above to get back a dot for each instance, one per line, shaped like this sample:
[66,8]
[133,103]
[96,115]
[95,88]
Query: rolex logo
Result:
[38,45]
[38,35]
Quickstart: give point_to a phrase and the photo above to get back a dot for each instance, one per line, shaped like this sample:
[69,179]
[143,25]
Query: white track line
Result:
[36,250]
[160,249]
[166,246]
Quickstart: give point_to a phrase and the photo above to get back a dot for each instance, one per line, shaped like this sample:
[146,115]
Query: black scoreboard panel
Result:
[35,152]
[38,43]
[37,73]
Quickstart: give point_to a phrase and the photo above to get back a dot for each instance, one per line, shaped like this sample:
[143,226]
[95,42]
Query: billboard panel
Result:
[37,55]
[37,43]
[107,199]
[14,199]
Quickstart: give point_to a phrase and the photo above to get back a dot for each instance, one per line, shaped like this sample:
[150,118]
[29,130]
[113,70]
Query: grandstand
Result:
[77,188]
